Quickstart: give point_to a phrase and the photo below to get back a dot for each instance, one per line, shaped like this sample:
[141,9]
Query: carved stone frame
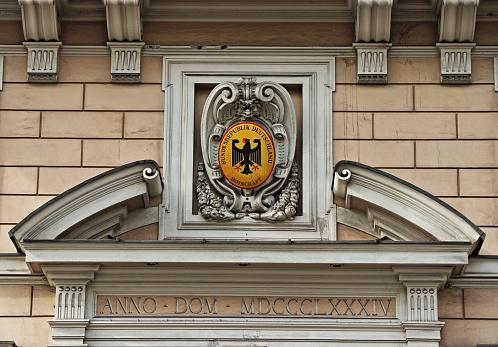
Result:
[314,71]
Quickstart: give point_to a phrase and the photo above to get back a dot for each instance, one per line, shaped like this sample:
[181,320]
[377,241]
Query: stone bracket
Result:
[68,333]
[456,62]
[457,19]
[124,19]
[125,61]
[372,62]
[40,19]
[42,61]
[373,19]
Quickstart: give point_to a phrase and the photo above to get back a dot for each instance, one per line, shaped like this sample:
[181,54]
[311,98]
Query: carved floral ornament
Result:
[248,140]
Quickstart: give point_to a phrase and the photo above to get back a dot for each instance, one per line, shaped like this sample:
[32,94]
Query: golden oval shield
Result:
[246,155]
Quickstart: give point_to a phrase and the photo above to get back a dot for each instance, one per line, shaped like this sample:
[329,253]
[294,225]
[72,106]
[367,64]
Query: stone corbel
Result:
[125,61]
[42,61]
[422,325]
[457,19]
[40,19]
[373,19]
[69,323]
[124,19]
[456,62]
[372,62]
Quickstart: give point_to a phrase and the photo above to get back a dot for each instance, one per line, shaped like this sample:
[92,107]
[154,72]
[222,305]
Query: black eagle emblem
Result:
[246,158]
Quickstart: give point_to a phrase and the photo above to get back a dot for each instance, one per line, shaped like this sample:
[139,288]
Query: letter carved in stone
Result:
[248,140]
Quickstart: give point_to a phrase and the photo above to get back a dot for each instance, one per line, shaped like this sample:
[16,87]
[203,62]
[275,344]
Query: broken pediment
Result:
[387,208]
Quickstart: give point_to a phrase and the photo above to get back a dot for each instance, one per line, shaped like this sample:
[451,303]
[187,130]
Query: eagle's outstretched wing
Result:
[255,154]
[237,154]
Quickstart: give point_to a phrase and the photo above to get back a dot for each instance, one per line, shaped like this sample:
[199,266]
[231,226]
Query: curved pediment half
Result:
[386,207]
[96,208]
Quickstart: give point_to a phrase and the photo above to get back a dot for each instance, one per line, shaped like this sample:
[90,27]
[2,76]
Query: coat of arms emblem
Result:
[248,139]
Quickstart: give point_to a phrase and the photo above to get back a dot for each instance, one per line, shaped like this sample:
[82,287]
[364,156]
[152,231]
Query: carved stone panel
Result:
[248,140]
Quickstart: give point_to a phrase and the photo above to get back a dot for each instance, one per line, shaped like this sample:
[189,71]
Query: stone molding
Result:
[373,19]
[40,19]
[496,73]
[372,62]
[124,19]
[457,19]
[42,61]
[1,72]
[405,203]
[456,62]
[125,61]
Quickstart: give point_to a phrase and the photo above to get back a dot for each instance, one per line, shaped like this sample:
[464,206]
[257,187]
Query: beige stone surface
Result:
[413,70]
[84,69]
[13,208]
[43,301]
[26,331]
[479,182]
[438,182]
[376,153]
[151,69]
[415,125]
[82,124]
[481,67]
[6,245]
[124,97]
[57,180]
[346,70]
[490,245]
[19,124]
[42,96]
[345,232]
[405,33]
[144,125]
[352,125]
[478,125]
[44,152]
[18,180]
[476,97]
[119,152]
[15,69]
[468,333]
[450,303]
[365,98]
[481,303]
[462,153]
[15,300]
[481,211]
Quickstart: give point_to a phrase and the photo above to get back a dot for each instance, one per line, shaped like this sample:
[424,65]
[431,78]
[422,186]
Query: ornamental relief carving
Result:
[248,141]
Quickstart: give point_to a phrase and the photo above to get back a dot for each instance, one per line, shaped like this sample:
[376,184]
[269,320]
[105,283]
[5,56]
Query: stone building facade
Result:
[395,238]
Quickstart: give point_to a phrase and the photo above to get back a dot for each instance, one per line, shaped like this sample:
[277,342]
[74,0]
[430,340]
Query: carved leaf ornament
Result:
[248,140]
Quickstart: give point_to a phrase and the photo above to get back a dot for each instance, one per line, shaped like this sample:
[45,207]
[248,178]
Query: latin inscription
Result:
[245,306]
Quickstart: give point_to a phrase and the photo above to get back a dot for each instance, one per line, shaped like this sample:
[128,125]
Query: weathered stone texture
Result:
[26,331]
[133,97]
[481,211]
[119,152]
[6,245]
[415,125]
[18,180]
[13,208]
[464,154]
[374,153]
[43,301]
[44,152]
[460,99]
[490,245]
[439,182]
[450,303]
[479,182]
[82,124]
[19,123]
[352,125]
[58,180]
[15,300]
[467,333]
[481,303]
[413,70]
[144,125]
[364,98]
[57,96]
[478,126]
